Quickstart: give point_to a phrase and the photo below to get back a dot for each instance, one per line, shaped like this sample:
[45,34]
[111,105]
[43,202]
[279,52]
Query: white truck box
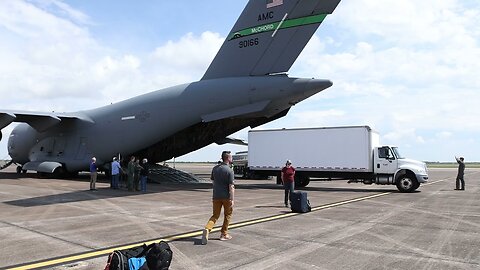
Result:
[313,149]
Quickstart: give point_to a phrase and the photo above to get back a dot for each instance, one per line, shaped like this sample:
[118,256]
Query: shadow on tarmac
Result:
[101,193]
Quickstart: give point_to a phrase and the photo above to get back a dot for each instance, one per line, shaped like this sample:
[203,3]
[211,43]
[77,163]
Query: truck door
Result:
[385,161]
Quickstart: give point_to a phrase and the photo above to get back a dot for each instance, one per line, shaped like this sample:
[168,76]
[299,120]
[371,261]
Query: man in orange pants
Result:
[223,196]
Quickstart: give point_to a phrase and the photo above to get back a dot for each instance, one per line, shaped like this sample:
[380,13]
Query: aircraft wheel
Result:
[58,172]
[19,169]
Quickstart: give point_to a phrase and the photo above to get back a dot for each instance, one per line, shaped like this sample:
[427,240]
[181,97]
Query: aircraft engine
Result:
[0,135]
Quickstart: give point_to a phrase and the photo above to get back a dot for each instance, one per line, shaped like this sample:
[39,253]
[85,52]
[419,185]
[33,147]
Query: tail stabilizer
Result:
[268,37]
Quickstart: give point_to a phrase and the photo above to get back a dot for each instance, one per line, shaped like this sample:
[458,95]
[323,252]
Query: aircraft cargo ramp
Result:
[161,174]
[5,163]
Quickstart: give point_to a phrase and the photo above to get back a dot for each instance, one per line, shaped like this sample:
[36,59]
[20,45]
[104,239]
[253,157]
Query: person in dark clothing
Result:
[144,175]
[288,178]
[461,170]
[131,173]
[136,177]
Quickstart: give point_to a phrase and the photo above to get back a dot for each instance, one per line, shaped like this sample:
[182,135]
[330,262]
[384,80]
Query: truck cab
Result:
[240,164]
[390,167]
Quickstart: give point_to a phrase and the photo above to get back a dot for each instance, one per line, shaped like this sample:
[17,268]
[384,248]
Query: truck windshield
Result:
[397,153]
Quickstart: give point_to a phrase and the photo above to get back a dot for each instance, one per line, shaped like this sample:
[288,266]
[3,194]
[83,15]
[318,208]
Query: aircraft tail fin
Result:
[268,37]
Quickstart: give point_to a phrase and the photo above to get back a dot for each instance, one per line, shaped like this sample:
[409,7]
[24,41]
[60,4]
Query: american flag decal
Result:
[274,3]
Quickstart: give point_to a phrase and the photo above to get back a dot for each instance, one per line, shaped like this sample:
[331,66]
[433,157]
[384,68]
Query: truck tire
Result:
[417,185]
[279,179]
[407,183]
[301,180]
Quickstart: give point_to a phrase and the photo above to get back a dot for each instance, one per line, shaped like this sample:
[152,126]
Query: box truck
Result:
[352,153]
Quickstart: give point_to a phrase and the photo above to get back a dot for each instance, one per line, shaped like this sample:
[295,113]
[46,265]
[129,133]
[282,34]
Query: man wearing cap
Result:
[223,196]
[461,170]
[288,178]
[93,174]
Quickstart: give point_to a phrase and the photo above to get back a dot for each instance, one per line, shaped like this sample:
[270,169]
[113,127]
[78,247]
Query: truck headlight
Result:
[422,171]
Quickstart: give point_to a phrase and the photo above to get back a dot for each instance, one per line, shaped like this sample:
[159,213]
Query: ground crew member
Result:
[131,173]
[461,170]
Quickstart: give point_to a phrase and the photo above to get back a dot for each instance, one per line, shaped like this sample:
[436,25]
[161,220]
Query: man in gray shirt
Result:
[461,171]
[223,196]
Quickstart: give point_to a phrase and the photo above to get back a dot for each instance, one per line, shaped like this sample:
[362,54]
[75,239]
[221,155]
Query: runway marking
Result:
[106,251]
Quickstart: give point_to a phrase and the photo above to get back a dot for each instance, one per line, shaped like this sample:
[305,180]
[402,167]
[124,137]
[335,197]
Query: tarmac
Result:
[60,224]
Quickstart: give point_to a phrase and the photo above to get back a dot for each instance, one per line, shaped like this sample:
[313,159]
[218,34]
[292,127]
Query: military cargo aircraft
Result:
[245,85]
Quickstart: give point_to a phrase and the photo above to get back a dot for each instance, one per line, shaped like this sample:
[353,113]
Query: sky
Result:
[408,69]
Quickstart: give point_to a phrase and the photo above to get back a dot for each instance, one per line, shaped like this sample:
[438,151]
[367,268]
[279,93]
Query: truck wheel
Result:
[301,181]
[417,185]
[407,183]
[279,180]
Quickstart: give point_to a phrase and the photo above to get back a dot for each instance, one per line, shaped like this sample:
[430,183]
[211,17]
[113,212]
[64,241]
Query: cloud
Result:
[200,51]
[317,118]
[51,59]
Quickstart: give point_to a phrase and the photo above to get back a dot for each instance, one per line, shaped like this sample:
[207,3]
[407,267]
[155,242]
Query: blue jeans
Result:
[289,188]
[143,183]
[115,178]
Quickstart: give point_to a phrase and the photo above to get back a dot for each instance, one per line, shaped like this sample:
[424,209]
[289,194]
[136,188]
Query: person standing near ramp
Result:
[131,173]
[223,196]
[93,174]
[461,170]
[116,169]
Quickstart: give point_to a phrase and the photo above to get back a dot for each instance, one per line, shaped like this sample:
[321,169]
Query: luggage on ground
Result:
[156,256]
[299,202]
[159,256]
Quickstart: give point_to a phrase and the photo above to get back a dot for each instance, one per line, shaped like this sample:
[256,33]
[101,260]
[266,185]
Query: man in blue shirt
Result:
[115,173]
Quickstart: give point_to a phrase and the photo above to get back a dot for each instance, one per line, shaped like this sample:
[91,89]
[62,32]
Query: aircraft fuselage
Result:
[140,124]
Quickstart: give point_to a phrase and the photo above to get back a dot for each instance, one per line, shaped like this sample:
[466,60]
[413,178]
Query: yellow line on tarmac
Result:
[103,252]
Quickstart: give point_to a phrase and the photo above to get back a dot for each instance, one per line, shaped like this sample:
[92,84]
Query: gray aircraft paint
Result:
[239,89]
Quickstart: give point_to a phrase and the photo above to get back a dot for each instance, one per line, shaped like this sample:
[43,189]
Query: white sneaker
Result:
[205,237]
[225,237]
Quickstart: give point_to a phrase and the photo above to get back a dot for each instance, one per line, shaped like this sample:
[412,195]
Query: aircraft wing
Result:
[40,121]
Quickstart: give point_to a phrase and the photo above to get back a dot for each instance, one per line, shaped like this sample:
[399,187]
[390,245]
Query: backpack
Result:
[116,261]
[159,256]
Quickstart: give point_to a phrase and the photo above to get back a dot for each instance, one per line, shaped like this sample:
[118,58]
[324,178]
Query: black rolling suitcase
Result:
[299,202]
